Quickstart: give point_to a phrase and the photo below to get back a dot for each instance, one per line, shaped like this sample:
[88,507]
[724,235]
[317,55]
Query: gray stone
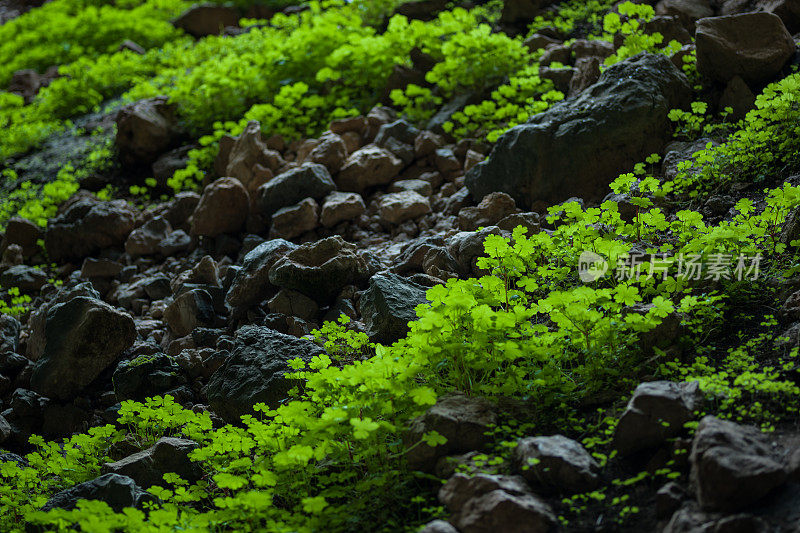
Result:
[340,207]
[251,283]
[254,372]
[291,222]
[556,463]
[189,310]
[579,146]
[389,305]
[167,455]
[733,466]
[145,239]
[146,129]
[309,180]
[461,488]
[86,227]
[367,167]
[320,269]
[84,336]
[656,411]
[26,278]
[755,46]
[223,208]
[146,376]
[397,207]
[202,20]
[500,511]
[117,491]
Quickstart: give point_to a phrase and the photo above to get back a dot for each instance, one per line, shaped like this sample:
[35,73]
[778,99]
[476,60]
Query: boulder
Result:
[500,511]
[293,303]
[146,239]
[421,187]
[145,130]
[23,233]
[330,152]
[291,222]
[389,305]
[755,46]
[193,308]
[245,154]
[9,335]
[579,146]
[397,207]
[254,372]
[251,283]
[167,455]
[223,208]
[732,466]
[461,488]
[368,167]
[320,269]
[556,463]
[341,207]
[117,491]
[787,10]
[686,11]
[146,376]
[656,411]
[84,336]
[88,226]
[310,180]
[462,420]
[492,209]
[522,11]
[26,278]
[202,20]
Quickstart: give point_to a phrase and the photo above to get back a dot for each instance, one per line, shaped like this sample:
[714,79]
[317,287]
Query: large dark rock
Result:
[255,371]
[88,226]
[556,463]
[733,466]
[320,269]
[9,334]
[251,283]
[117,491]
[522,11]
[145,376]
[201,20]
[84,336]
[389,305]
[755,46]
[579,146]
[145,130]
[167,455]
[310,180]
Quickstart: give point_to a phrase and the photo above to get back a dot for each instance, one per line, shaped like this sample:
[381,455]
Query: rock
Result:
[5,430]
[687,11]
[421,9]
[115,490]
[738,96]
[320,269]
[38,318]
[460,419]
[146,376]
[755,46]
[309,180]
[179,209]
[26,278]
[131,46]
[254,371]
[293,303]
[561,77]
[244,154]
[291,222]
[732,466]
[24,233]
[668,499]
[201,20]
[438,526]
[100,268]
[493,208]
[222,209]
[587,72]
[341,207]
[787,10]
[189,310]
[529,220]
[426,143]
[84,336]
[167,455]
[401,130]
[145,130]
[346,125]
[500,511]
[583,49]
[165,166]
[205,272]
[421,187]
[251,284]
[579,146]
[368,167]
[9,336]
[330,151]
[522,11]
[670,28]
[467,246]
[556,463]
[461,488]
[656,411]
[176,242]
[86,227]
[397,207]
[389,305]
[145,239]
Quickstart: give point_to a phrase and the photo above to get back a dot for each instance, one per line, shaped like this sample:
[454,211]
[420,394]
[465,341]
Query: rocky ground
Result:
[208,295]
